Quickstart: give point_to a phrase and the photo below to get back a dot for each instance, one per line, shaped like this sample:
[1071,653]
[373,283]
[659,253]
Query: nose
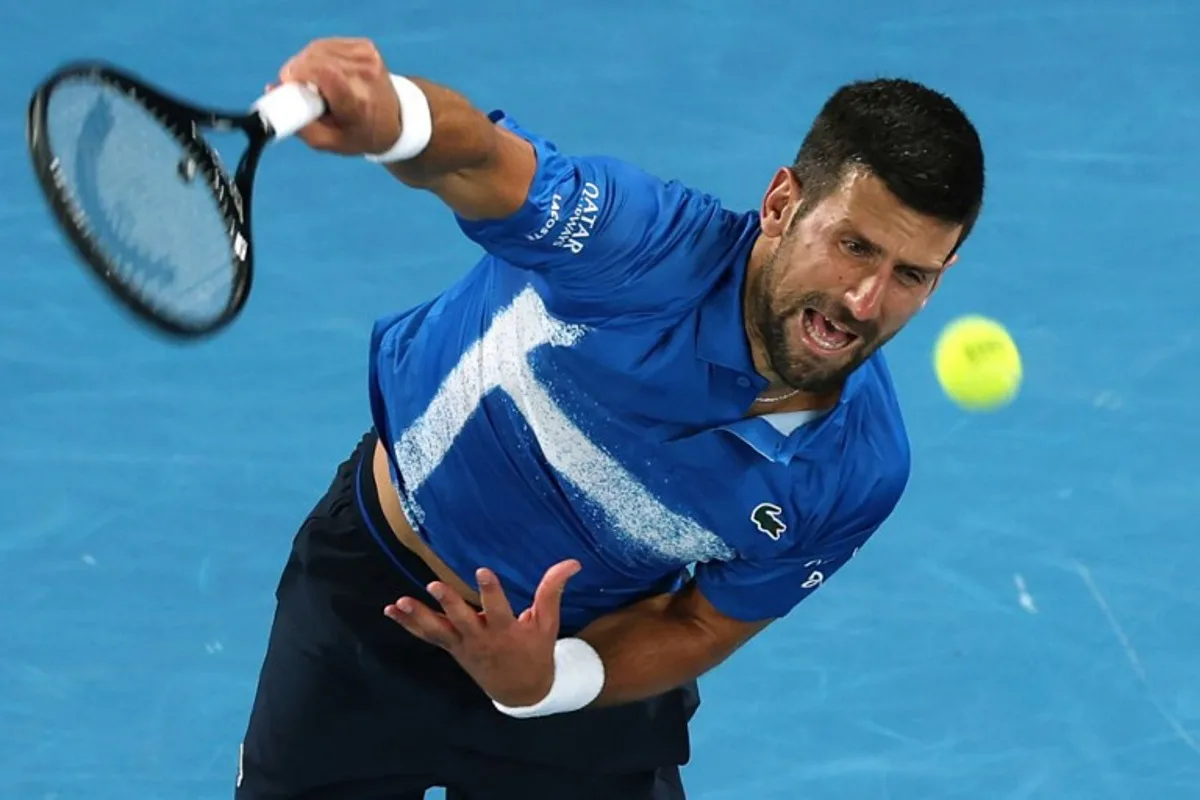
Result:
[865,297]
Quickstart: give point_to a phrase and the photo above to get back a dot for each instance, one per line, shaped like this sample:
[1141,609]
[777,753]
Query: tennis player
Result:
[638,430]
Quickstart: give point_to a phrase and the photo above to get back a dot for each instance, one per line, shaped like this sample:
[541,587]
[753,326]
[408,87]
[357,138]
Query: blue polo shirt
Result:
[582,391]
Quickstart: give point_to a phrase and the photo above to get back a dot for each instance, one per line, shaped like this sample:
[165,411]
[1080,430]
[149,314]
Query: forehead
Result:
[862,202]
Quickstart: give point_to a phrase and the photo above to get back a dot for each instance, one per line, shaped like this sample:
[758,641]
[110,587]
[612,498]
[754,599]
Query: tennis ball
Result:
[977,363]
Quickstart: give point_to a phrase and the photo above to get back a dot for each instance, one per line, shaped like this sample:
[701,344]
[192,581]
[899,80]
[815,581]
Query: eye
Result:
[855,248]
[912,277]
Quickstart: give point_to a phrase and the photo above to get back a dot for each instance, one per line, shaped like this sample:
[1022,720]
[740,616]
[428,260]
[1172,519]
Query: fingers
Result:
[547,600]
[362,110]
[349,55]
[424,623]
[343,109]
[461,622]
[458,622]
[496,607]
[460,613]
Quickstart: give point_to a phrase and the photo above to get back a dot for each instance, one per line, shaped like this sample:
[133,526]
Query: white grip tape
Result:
[416,124]
[290,107]
[578,679]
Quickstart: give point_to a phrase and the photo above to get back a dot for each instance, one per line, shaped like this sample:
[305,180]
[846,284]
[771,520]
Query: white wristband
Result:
[416,124]
[578,679]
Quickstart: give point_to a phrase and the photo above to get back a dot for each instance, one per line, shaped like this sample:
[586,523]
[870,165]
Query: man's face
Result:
[842,279]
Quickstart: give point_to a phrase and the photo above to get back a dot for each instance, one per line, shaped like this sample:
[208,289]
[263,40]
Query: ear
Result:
[782,196]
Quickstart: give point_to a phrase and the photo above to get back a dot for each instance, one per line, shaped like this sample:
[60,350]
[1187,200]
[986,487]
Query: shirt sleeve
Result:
[605,235]
[769,586]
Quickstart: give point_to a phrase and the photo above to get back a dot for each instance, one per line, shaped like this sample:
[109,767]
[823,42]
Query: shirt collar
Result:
[721,334]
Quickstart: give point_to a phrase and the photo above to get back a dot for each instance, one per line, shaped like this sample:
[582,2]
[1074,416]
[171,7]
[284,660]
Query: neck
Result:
[778,390]
[800,401]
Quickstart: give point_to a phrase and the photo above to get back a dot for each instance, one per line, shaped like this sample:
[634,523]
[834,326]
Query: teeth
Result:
[823,336]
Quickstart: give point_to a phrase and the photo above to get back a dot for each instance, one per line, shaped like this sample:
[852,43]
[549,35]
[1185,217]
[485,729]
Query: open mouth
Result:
[824,335]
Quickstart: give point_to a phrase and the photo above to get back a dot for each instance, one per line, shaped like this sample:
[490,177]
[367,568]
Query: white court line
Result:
[1135,662]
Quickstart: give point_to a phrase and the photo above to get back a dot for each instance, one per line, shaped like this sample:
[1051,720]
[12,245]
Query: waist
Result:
[402,530]
[519,549]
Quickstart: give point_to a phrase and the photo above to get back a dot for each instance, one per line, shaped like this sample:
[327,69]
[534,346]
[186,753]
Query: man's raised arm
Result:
[479,169]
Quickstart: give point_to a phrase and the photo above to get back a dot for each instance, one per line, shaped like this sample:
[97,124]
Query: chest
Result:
[641,378]
[651,444]
[622,428]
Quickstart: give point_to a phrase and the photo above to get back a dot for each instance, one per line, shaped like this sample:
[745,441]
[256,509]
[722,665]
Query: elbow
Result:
[718,635]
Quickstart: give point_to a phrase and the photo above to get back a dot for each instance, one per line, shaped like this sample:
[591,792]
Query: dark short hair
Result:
[914,139]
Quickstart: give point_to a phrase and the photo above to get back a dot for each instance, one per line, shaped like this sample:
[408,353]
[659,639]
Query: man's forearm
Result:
[655,646]
[463,137]
[479,169]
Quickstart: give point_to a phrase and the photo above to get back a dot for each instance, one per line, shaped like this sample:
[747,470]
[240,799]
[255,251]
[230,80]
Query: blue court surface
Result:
[1025,627]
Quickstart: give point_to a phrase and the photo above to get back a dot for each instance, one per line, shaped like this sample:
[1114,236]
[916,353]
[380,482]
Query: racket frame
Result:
[185,123]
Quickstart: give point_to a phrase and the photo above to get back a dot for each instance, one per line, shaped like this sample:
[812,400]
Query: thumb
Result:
[547,600]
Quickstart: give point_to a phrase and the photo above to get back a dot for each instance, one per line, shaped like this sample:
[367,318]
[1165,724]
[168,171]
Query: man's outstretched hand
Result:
[510,657]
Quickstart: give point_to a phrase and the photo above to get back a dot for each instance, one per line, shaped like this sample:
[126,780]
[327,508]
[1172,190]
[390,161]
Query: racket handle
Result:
[289,107]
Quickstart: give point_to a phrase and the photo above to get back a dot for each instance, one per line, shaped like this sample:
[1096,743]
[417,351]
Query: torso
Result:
[586,391]
[551,441]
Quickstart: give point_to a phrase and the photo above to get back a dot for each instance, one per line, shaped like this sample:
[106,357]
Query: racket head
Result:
[103,142]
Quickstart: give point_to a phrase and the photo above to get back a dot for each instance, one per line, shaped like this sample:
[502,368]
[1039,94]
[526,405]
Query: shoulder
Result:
[607,182]
[879,437]
[879,419]
[858,466]
[613,239]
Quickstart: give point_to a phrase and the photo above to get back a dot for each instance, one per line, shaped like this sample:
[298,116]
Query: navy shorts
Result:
[349,706]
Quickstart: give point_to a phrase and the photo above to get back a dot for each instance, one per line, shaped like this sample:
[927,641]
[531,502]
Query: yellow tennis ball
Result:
[977,363]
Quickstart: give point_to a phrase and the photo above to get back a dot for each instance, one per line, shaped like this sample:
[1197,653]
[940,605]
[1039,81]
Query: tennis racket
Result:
[143,197]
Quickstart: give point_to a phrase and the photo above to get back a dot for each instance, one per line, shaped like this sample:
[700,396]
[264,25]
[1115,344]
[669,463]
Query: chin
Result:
[809,375]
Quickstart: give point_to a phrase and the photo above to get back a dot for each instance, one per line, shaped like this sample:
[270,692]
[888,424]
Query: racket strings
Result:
[143,200]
